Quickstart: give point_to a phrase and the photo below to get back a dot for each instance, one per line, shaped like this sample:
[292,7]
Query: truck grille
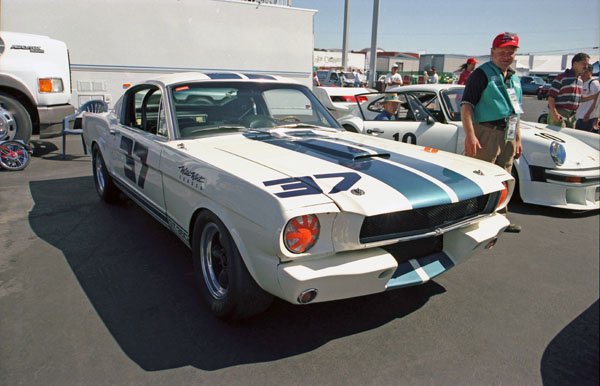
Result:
[423,220]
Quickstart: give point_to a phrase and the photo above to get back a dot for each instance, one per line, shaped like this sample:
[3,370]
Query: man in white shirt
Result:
[587,112]
[393,80]
[434,78]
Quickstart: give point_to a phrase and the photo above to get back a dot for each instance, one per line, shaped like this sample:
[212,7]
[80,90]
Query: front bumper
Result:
[555,188]
[373,270]
[51,119]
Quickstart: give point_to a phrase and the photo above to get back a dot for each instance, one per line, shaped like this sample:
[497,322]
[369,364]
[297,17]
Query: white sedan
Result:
[558,168]
[275,199]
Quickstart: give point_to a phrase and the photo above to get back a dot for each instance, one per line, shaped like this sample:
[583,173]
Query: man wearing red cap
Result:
[467,70]
[491,106]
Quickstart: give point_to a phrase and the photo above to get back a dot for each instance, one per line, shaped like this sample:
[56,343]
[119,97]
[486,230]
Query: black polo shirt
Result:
[475,85]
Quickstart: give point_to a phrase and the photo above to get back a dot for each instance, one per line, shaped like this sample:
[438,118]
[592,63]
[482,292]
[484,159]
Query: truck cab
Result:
[35,86]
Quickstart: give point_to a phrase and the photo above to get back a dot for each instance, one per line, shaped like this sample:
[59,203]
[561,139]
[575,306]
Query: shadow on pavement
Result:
[139,278]
[45,149]
[572,356]
[517,206]
[42,148]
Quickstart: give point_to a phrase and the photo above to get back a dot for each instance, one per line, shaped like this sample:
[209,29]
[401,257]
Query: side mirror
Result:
[429,120]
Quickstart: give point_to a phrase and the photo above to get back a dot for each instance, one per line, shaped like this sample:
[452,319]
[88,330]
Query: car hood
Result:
[536,142]
[358,173]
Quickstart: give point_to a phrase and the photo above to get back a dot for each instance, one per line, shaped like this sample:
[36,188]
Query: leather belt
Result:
[497,127]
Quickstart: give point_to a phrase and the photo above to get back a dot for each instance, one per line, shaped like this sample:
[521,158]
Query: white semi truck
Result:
[114,44]
[35,86]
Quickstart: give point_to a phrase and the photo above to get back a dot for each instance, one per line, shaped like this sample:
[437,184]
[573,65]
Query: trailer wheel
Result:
[15,122]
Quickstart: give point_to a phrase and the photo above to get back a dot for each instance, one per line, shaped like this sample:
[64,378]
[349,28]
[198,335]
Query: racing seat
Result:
[93,106]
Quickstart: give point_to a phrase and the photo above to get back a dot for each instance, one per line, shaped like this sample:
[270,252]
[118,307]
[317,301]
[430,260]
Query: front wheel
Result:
[543,118]
[15,122]
[225,283]
[105,187]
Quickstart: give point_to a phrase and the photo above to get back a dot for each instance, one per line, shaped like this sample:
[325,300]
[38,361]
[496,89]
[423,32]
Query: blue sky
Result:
[460,26]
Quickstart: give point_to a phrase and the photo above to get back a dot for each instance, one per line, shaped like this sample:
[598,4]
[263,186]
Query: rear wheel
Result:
[225,283]
[543,118]
[105,187]
[15,122]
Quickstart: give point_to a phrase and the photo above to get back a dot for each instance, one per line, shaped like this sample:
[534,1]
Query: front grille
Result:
[414,249]
[423,220]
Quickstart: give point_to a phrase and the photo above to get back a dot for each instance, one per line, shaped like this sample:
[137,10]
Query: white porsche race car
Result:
[559,167]
[274,198]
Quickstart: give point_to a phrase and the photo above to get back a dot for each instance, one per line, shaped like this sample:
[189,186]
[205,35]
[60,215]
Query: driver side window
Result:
[404,113]
[142,107]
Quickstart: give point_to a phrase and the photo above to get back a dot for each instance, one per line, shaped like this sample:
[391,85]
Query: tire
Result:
[540,96]
[225,283]
[15,119]
[516,197]
[543,118]
[105,187]
[14,156]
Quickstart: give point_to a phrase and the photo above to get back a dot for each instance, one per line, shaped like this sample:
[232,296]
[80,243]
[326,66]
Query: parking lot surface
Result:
[97,294]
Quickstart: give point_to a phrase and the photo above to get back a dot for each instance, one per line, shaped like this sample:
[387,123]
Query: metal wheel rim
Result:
[13,156]
[7,124]
[99,174]
[214,261]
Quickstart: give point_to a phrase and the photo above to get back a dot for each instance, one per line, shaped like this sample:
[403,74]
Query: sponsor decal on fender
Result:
[191,178]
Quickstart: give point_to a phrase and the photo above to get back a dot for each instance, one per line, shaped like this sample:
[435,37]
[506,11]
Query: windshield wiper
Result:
[237,127]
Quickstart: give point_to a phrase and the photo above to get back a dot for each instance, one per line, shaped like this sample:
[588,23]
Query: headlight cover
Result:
[558,153]
[301,233]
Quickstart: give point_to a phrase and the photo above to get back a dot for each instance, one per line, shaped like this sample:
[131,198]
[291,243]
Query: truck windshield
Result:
[205,107]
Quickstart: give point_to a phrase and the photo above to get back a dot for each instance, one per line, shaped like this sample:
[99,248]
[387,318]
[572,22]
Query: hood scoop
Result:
[344,152]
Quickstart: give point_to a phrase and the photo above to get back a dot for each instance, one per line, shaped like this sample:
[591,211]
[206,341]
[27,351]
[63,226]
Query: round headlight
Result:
[301,233]
[558,153]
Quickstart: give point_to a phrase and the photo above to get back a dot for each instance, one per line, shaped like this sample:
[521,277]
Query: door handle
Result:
[374,131]
[113,132]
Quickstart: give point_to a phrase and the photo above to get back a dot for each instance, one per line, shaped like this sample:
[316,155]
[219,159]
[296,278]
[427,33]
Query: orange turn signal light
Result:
[573,179]
[504,194]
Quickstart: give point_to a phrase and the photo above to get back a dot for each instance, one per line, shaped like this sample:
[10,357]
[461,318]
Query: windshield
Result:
[207,107]
[452,98]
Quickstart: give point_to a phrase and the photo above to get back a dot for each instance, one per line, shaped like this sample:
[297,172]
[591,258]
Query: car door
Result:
[413,124]
[137,148]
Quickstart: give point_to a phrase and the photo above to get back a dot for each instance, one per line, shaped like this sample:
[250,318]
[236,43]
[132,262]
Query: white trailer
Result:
[116,43]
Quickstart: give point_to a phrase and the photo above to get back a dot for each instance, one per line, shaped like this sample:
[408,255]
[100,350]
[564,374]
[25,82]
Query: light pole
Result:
[373,58]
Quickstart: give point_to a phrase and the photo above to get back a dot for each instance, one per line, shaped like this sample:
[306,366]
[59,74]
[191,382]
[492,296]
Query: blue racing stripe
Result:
[418,190]
[433,265]
[462,186]
[436,264]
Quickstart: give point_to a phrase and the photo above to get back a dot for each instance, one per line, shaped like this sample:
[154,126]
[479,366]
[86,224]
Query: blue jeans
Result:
[585,126]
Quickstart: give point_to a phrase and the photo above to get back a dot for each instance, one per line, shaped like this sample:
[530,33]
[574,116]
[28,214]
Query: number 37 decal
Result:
[140,151]
[303,186]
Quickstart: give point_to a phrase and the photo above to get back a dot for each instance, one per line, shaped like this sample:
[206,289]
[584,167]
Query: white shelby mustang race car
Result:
[274,198]
[558,168]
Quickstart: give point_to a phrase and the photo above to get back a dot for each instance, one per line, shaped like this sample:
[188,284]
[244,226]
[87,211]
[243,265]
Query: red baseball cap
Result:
[471,60]
[506,39]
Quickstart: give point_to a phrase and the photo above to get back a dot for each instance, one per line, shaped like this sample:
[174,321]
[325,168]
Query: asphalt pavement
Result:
[97,294]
